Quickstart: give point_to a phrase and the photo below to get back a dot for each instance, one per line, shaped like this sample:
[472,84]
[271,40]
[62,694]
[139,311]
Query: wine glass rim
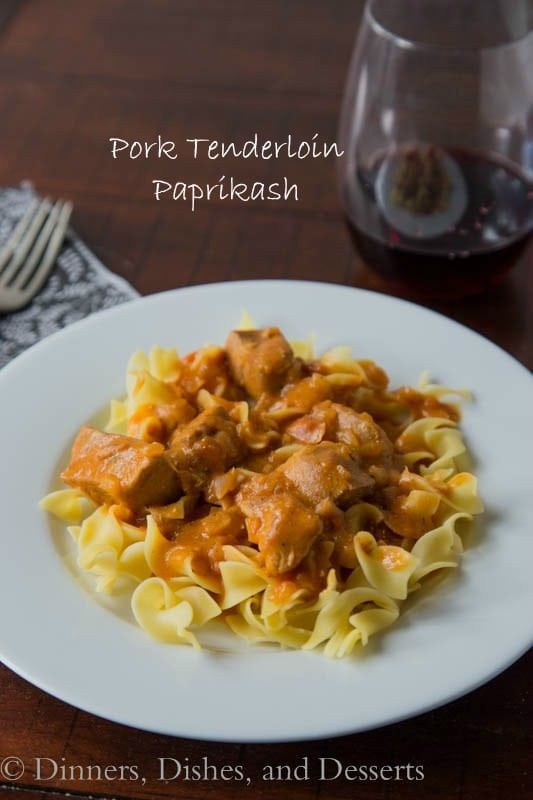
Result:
[417,44]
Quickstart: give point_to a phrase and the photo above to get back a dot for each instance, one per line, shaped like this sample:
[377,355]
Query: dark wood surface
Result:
[74,74]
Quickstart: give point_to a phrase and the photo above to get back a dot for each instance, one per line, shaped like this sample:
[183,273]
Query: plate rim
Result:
[86,321]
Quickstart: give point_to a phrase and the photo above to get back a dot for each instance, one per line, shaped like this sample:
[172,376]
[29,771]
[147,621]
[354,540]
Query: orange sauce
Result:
[207,368]
[283,588]
[202,541]
[423,405]
[375,374]
[310,576]
[306,393]
[344,549]
[145,424]
[401,519]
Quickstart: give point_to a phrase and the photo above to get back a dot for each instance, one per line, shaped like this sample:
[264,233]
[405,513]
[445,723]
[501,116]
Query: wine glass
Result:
[437,132]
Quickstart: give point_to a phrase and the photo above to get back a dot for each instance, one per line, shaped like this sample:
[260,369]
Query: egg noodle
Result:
[251,541]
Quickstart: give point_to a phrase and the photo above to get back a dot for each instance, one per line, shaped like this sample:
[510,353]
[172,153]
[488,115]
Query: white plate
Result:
[467,630]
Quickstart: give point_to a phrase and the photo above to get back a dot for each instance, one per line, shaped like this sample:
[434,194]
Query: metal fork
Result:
[30,252]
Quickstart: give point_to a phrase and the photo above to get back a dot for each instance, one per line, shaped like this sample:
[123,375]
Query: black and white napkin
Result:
[78,285]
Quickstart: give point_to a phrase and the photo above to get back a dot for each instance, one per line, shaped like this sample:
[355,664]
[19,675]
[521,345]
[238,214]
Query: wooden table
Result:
[71,76]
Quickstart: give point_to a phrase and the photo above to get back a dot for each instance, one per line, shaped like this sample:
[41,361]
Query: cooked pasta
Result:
[294,498]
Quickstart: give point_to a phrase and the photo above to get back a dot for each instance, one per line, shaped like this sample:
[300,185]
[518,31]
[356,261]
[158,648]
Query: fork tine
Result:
[25,244]
[17,233]
[50,255]
[27,268]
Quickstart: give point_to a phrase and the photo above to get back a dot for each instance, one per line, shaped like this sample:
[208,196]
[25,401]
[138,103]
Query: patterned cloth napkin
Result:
[78,285]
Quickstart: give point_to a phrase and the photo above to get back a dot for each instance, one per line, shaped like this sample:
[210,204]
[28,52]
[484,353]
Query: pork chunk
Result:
[278,521]
[259,360]
[339,423]
[326,471]
[284,508]
[206,446]
[111,468]
[361,434]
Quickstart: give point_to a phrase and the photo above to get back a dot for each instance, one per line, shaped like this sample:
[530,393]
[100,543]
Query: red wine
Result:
[443,223]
